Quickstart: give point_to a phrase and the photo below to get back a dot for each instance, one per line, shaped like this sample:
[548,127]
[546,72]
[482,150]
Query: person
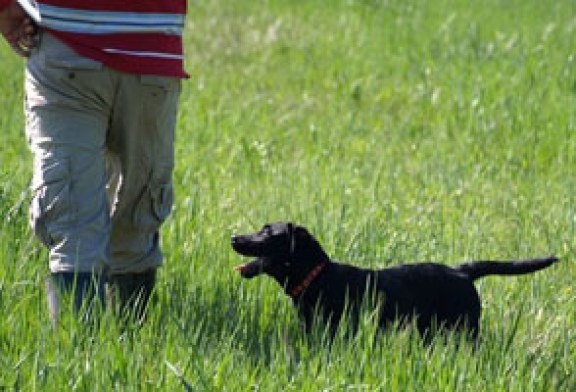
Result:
[102,86]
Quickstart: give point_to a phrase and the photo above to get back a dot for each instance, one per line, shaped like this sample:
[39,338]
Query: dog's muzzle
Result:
[242,245]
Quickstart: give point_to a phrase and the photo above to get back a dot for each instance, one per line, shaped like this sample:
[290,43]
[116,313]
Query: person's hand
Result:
[18,29]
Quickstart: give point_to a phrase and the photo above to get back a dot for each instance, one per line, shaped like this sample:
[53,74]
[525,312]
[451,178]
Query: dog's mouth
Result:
[243,246]
[249,270]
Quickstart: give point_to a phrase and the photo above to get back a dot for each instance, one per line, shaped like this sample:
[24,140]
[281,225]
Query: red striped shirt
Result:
[137,36]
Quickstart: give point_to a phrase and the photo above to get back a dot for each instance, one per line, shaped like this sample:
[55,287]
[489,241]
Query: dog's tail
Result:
[479,269]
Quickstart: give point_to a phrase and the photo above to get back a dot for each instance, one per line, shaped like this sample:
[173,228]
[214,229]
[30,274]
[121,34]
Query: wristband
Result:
[4,4]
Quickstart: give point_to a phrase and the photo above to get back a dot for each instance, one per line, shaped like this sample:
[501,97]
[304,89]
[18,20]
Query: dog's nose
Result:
[234,239]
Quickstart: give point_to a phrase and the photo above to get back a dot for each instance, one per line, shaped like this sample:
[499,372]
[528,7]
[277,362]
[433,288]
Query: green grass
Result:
[396,131]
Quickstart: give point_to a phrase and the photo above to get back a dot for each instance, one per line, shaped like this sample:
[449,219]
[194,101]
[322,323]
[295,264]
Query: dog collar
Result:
[296,291]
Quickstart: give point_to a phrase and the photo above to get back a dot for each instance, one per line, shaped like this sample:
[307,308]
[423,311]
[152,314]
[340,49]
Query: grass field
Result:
[396,131]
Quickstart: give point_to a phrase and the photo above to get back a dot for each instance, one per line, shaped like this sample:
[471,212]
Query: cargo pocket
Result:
[78,79]
[51,205]
[160,93]
[154,205]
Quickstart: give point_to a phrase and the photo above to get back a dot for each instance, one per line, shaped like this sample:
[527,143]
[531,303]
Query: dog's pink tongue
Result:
[241,267]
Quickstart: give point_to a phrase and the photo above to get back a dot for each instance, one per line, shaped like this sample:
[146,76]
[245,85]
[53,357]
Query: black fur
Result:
[434,295]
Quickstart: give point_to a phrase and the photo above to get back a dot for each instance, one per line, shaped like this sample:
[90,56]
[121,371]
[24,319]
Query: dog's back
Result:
[433,294]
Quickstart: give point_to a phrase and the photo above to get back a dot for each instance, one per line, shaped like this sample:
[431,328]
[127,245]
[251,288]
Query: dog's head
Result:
[282,250]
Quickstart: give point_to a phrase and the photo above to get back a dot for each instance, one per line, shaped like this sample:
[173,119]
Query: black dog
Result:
[434,295]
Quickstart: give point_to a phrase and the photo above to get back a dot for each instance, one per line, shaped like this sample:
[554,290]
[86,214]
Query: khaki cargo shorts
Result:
[103,146]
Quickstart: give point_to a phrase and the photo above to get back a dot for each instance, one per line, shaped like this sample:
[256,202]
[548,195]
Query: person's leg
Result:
[67,116]
[142,143]
[129,293]
[85,291]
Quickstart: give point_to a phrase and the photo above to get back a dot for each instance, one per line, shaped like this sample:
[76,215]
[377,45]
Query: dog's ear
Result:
[298,236]
[290,228]
[302,242]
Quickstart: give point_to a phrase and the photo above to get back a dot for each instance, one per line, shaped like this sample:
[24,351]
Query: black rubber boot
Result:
[129,294]
[83,293]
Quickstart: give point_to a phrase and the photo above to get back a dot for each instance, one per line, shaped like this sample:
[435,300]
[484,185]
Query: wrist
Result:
[4,4]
